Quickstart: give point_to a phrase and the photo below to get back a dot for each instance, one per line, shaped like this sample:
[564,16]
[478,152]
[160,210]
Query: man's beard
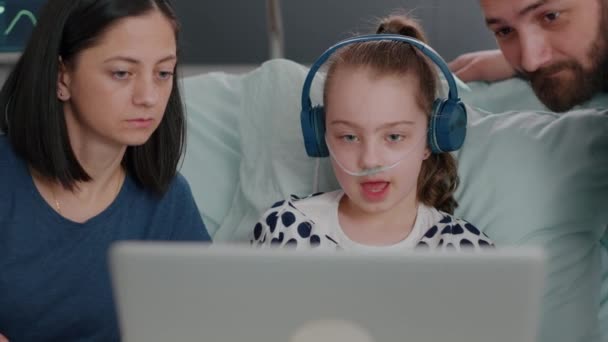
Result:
[575,84]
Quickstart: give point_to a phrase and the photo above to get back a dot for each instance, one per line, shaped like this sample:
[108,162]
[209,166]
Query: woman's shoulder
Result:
[8,157]
[178,189]
[5,147]
[177,195]
[180,185]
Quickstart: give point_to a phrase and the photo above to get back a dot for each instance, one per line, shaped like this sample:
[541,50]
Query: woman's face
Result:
[374,121]
[116,91]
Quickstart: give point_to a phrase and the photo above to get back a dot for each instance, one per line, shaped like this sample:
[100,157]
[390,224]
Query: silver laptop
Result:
[223,293]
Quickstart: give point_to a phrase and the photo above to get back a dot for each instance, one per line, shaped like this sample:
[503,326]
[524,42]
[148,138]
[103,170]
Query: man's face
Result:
[560,46]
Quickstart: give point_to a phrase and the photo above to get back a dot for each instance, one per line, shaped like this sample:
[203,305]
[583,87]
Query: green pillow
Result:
[528,178]
[516,94]
[212,158]
[513,94]
[533,178]
[274,163]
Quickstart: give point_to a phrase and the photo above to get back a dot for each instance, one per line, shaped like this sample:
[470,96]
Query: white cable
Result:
[315,179]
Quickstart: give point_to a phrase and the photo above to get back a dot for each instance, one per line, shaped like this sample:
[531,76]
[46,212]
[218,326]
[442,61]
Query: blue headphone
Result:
[448,122]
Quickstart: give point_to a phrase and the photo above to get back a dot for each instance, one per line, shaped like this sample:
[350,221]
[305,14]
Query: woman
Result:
[94,131]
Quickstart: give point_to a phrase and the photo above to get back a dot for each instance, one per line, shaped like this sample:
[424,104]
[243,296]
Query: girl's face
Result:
[116,91]
[374,121]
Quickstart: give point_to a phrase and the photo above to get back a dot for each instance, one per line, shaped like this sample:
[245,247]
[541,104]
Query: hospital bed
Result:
[528,177]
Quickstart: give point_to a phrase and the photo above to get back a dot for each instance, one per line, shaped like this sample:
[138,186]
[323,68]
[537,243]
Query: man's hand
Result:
[3,339]
[487,65]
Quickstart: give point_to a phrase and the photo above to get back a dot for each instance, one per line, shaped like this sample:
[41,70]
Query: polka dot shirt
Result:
[312,223]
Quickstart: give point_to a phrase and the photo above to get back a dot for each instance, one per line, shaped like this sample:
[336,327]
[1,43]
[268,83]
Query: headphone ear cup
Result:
[447,126]
[313,130]
[432,133]
[319,115]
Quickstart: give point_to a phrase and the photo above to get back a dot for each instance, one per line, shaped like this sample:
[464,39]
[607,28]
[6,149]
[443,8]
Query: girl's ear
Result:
[427,153]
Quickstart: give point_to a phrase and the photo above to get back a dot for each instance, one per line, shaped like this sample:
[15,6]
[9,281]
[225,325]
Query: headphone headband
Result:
[447,121]
[424,48]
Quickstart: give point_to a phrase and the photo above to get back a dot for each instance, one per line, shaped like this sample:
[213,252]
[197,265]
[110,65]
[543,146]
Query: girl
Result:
[395,193]
[93,132]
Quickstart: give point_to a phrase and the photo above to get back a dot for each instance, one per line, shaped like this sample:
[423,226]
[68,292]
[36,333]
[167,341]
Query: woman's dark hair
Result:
[33,117]
[438,178]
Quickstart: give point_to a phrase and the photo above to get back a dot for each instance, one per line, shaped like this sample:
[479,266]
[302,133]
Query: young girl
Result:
[395,193]
[91,134]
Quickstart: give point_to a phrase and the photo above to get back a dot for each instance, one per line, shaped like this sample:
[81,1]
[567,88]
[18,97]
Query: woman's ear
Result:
[63,81]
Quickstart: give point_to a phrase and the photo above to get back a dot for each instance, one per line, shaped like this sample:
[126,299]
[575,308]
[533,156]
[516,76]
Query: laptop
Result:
[178,291]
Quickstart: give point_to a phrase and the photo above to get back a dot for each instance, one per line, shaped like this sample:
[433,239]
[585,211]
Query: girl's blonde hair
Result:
[438,178]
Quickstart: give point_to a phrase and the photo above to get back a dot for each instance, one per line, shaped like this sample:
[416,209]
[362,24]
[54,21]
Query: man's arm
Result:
[486,65]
